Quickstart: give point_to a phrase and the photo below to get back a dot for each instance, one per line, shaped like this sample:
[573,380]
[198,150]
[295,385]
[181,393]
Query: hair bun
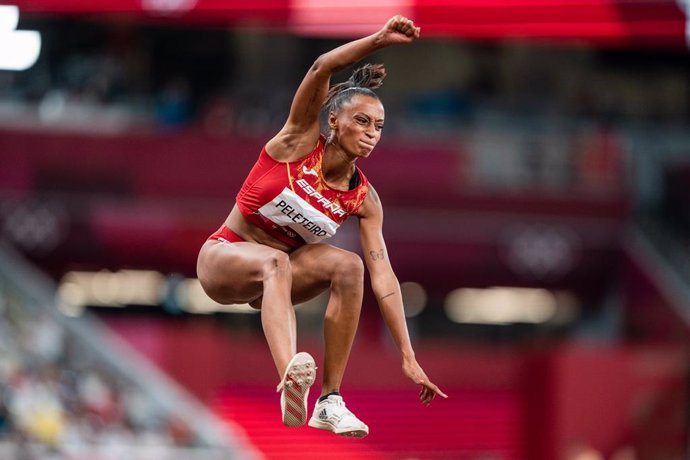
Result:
[368,76]
[362,81]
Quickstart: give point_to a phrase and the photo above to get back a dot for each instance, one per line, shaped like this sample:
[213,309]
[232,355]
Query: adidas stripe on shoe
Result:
[294,389]
[332,415]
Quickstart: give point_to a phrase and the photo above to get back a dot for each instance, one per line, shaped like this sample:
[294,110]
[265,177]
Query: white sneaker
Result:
[294,389]
[332,415]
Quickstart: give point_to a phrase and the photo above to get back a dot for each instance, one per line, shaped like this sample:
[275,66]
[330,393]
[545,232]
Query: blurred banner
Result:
[602,22]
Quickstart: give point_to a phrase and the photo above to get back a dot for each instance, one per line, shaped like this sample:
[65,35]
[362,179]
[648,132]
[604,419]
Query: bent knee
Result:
[349,266]
[274,264]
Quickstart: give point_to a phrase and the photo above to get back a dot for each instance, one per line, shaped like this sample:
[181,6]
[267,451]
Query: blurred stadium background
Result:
[535,172]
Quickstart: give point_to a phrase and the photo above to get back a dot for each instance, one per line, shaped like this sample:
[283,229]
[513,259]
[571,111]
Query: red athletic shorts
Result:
[224,234]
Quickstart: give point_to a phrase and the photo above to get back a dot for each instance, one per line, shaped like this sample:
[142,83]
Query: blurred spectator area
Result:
[676,200]
[69,391]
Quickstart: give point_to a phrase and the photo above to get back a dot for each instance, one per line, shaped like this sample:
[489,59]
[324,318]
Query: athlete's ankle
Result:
[325,396]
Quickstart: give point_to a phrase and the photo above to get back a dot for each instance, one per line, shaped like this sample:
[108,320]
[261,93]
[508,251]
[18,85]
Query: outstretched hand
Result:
[429,390]
[399,30]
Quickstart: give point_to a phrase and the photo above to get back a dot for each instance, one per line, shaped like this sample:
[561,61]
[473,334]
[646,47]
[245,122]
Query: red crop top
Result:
[292,202]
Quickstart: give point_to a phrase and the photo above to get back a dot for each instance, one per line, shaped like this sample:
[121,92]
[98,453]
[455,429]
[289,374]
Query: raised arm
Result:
[301,131]
[387,291]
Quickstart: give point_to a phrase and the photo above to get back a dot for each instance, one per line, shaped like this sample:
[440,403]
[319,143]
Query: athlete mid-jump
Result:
[269,251]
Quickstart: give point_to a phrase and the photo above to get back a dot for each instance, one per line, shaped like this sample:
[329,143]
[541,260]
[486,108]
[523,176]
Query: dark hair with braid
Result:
[362,81]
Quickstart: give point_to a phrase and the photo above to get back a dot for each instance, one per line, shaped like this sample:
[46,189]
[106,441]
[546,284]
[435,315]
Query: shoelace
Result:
[335,402]
[342,412]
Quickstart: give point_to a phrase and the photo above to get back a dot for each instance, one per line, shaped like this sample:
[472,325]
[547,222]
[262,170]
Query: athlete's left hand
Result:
[429,390]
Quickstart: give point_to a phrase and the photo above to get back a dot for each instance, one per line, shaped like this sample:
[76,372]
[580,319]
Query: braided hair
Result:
[362,81]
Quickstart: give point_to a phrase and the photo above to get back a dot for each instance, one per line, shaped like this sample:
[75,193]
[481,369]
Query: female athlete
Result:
[303,186]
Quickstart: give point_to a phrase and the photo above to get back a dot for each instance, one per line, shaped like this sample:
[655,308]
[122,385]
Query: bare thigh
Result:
[314,267]
[233,272]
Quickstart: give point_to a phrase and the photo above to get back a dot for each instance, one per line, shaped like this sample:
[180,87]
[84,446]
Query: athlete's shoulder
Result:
[288,147]
[371,203]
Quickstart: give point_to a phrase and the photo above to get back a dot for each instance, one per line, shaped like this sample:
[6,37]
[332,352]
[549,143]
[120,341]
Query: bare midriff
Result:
[250,232]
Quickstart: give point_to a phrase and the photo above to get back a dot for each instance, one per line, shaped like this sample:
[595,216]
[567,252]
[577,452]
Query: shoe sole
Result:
[299,376]
[351,433]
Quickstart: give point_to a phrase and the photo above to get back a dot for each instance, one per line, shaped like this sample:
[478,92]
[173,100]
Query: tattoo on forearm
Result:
[377,255]
[387,295]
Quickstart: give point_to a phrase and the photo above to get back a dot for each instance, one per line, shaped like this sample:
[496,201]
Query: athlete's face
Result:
[358,125]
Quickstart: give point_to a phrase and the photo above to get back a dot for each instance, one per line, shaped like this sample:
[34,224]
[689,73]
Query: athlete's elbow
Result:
[324,66]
